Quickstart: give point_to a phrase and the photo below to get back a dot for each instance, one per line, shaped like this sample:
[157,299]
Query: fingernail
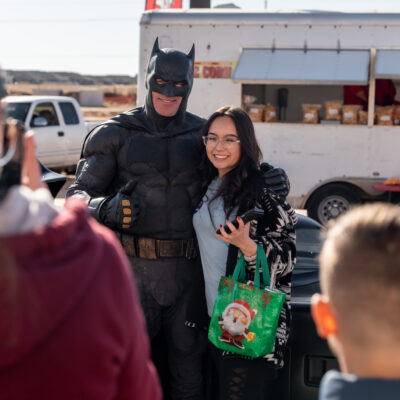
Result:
[220,226]
[238,218]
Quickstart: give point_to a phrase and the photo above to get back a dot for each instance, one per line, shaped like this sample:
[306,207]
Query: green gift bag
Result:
[245,316]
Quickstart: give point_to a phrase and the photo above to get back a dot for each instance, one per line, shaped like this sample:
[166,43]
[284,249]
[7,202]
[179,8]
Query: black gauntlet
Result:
[119,211]
[276,179]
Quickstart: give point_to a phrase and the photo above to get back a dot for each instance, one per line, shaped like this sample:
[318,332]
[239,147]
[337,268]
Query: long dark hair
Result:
[233,187]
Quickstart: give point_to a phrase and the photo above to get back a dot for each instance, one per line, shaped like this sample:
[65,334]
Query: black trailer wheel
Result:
[331,201]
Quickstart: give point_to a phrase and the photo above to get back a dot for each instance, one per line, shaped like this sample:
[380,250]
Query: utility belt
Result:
[153,249]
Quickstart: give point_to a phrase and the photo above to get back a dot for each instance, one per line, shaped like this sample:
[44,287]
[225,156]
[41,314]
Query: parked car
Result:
[58,123]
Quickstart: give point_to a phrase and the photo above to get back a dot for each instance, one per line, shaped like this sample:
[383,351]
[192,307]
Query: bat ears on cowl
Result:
[156,50]
[191,53]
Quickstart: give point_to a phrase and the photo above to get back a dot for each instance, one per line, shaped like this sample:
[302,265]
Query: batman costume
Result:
[138,174]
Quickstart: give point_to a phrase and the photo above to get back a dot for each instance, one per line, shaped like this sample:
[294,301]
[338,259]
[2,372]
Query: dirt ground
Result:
[104,113]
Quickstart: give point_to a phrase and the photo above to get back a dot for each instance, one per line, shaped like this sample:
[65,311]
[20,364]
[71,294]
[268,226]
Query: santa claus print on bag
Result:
[235,322]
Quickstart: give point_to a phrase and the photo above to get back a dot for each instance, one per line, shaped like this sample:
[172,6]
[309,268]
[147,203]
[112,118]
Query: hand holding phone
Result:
[249,215]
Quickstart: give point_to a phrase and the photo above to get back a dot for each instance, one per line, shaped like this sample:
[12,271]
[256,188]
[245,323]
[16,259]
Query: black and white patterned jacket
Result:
[275,233]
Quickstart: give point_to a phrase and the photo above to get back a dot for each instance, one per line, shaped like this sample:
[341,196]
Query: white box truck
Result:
[309,57]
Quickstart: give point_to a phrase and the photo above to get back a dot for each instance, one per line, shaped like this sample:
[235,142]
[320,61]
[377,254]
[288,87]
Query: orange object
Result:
[393,182]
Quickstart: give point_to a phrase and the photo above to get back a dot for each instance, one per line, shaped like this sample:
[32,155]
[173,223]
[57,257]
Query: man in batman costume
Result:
[138,175]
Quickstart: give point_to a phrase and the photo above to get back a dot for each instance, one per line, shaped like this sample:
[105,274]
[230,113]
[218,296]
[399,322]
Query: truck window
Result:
[17,110]
[69,113]
[47,111]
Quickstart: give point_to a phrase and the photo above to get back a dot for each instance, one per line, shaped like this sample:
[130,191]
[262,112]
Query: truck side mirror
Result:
[39,122]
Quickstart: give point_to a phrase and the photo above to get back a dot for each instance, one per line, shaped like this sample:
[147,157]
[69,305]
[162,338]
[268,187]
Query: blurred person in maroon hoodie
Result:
[70,322]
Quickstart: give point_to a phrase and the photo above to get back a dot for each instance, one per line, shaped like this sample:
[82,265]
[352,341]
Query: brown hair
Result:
[360,273]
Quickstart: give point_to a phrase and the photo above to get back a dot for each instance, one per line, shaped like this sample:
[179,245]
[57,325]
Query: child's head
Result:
[360,280]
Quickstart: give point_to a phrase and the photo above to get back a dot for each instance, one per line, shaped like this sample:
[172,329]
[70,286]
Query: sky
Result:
[102,36]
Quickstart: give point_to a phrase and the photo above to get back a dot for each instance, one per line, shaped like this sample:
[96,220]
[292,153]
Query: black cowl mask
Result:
[172,66]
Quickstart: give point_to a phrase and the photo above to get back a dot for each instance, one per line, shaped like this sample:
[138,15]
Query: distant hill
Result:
[67,78]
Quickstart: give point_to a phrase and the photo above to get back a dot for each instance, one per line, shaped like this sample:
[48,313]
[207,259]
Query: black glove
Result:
[276,179]
[119,211]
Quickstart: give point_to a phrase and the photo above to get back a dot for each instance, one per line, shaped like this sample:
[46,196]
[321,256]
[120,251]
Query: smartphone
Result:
[12,154]
[249,215]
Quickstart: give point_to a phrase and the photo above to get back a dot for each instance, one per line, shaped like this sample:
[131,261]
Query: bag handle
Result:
[239,272]
[262,259]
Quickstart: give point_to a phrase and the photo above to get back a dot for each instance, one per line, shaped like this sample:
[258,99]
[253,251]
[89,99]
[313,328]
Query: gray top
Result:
[213,251]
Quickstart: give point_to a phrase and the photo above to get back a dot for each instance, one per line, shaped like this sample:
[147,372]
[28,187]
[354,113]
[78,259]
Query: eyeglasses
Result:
[227,143]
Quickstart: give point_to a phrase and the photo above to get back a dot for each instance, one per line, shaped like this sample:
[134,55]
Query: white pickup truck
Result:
[58,125]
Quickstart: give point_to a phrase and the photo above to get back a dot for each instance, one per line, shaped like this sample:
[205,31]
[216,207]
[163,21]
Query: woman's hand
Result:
[239,237]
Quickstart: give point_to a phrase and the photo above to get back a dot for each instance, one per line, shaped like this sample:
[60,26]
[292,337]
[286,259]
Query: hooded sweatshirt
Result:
[70,321]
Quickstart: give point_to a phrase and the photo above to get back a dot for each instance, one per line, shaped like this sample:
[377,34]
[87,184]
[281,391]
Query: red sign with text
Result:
[157,4]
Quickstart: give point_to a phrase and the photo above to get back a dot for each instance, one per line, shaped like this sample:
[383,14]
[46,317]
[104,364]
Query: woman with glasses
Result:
[233,183]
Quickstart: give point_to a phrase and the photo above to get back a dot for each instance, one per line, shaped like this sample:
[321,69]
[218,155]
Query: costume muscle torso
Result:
[162,164]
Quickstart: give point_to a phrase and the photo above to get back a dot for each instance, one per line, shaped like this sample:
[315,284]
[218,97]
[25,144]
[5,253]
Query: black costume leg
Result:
[151,309]
[186,347]
[165,287]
